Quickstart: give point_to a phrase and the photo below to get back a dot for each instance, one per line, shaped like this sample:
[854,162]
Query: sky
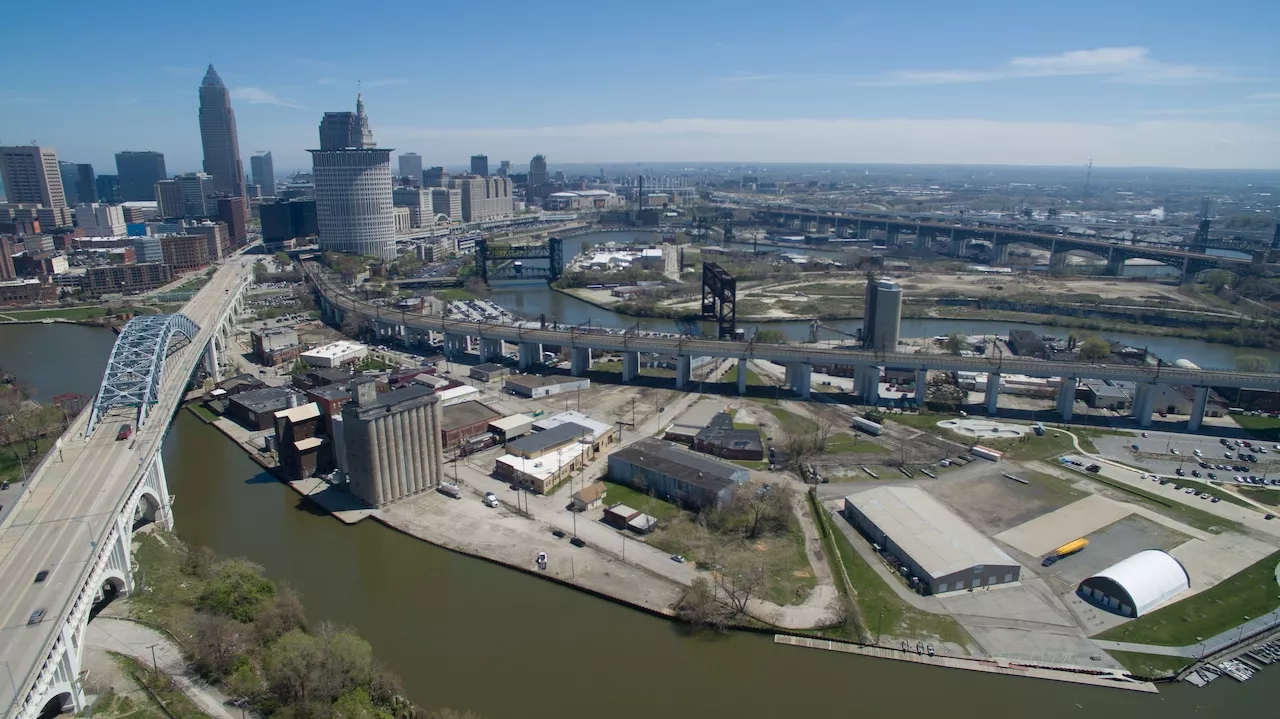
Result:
[1134,83]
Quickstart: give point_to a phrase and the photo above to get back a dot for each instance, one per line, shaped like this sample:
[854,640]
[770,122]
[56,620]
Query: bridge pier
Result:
[530,353]
[999,254]
[1115,263]
[1066,397]
[801,376]
[1057,261]
[454,344]
[211,358]
[742,375]
[579,361]
[684,369]
[866,383]
[490,350]
[630,366]
[1198,405]
[993,393]
[922,386]
[1144,400]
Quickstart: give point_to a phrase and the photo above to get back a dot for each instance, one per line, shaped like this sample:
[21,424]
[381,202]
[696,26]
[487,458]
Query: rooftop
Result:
[309,410]
[331,392]
[336,349]
[591,492]
[598,429]
[261,400]
[540,467]
[506,424]
[489,367]
[464,414]
[675,461]
[932,535]
[549,439]
[533,380]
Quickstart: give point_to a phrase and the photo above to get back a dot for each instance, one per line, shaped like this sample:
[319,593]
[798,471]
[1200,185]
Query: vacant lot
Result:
[993,503]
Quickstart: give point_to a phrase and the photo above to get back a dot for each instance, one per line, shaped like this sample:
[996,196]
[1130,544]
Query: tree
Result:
[760,510]
[259,271]
[352,324]
[955,343]
[1253,363]
[476,287]
[769,337]
[216,644]
[292,666]
[1094,349]
[283,615]
[1216,280]
[700,607]
[238,590]
[740,580]
[282,261]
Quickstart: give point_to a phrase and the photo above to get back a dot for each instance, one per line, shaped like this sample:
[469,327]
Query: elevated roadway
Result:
[74,518]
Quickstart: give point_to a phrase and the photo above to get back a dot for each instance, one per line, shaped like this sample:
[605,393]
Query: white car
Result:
[1198,453]
[1173,450]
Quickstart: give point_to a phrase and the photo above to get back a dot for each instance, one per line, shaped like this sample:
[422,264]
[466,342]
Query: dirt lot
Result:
[993,503]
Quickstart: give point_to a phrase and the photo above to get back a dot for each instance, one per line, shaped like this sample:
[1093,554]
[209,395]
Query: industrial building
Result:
[256,410]
[274,346]
[462,421]
[335,354]
[535,386]
[1026,343]
[303,442]
[391,442]
[883,316]
[940,552]
[508,428]
[1137,585]
[722,439]
[488,372]
[676,474]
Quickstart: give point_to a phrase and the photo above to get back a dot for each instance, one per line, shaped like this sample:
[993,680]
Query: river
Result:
[533,299]
[468,634]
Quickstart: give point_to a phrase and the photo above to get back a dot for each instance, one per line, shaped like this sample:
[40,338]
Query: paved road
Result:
[70,504]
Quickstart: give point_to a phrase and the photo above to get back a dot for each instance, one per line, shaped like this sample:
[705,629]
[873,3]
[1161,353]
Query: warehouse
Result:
[939,551]
[1135,586]
[676,474]
[336,354]
[534,386]
[462,421]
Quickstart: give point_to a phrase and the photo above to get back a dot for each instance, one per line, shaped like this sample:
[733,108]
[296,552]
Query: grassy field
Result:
[1267,428]
[1151,666]
[643,502]
[881,606]
[753,379]
[1247,595]
[842,442]
[11,470]
[192,285]
[792,423]
[71,313]
[175,704]
[1193,516]
[1269,497]
[1224,494]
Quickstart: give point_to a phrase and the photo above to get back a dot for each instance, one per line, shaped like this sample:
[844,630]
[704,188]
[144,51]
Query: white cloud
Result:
[259,96]
[1154,142]
[1117,64]
[1267,97]
[325,81]
[387,82]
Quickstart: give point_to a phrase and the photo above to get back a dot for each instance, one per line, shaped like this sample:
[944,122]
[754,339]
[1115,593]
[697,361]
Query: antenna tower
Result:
[1088,177]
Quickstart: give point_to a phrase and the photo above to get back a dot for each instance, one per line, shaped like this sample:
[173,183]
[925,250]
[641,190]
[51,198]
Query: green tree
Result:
[1253,363]
[238,591]
[769,337]
[955,343]
[282,260]
[259,271]
[1093,349]
[1217,279]
[476,287]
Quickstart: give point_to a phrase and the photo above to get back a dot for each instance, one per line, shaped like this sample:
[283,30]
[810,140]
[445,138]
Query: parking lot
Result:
[993,503]
[1198,457]
[1108,545]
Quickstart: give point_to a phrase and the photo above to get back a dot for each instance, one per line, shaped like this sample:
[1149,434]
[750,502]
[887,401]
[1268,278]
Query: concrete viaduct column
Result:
[211,358]
[630,366]
[866,383]
[742,375]
[1144,400]
[789,377]
[1198,406]
[993,392]
[530,354]
[1066,397]
[490,350]
[579,361]
[1115,263]
[454,344]
[801,375]
[922,386]
[999,254]
[684,370]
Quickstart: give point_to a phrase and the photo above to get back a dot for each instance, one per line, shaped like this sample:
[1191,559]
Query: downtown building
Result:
[97,220]
[32,176]
[264,173]
[218,136]
[137,173]
[411,168]
[353,187]
[483,198]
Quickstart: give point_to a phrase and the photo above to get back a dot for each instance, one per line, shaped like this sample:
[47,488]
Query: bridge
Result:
[510,259]
[336,302]
[927,232]
[79,508]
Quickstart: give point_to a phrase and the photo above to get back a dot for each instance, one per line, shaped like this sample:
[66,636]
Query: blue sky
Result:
[1171,83]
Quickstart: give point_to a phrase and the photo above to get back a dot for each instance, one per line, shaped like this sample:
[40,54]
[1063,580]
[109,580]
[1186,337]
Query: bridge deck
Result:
[72,500]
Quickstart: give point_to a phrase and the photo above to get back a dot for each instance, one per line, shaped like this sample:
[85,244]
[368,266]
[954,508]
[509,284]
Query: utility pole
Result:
[155,667]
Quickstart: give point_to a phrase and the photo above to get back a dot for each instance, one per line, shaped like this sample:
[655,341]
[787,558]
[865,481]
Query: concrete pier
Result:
[866,383]
[742,376]
[1144,400]
[993,393]
[684,368]
[530,353]
[580,361]
[630,366]
[922,386]
[1198,406]
[801,375]
[490,350]
[454,345]
[1066,397]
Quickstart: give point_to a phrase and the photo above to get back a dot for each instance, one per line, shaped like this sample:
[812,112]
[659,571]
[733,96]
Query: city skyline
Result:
[820,83]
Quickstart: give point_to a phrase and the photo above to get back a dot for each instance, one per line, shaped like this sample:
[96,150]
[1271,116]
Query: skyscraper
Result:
[480,165]
[411,167]
[504,168]
[353,188]
[435,177]
[264,173]
[86,184]
[108,187]
[68,172]
[31,174]
[139,172]
[168,194]
[218,136]
[538,177]
[197,190]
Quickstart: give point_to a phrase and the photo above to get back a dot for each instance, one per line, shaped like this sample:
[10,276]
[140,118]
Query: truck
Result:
[1065,551]
[867,426]
[449,490]
[986,453]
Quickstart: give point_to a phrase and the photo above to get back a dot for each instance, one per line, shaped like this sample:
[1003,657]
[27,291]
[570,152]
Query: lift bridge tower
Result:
[720,300]
[507,262]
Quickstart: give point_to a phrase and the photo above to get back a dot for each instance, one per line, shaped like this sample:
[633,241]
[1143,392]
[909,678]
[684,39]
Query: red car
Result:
[126,431]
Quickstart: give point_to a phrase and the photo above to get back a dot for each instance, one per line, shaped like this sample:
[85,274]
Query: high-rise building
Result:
[218,136]
[480,165]
[391,442]
[184,253]
[215,234]
[108,187]
[504,168]
[264,173]
[69,174]
[31,174]
[139,171]
[483,198]
[538,171]
[447,201]
[168,194]
[52,218]
[100,220]
[287,221]
[418,202]
[411,167]
[7,271]
[198,189]
[353,191]
[86,184]
[435,177]
[883,315]
[235,212]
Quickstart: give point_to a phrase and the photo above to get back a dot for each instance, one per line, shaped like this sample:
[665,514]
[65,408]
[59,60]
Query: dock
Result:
[1090,676]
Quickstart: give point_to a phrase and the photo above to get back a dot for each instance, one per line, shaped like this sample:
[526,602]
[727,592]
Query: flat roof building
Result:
[508,428]
[255,410]
[941,551]
[335,354]
[722,439]
[535,386]
[676,474]
[462,421]
[488,372]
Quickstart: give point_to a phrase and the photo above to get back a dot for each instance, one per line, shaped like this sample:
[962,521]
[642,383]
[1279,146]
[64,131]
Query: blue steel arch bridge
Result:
[135,369]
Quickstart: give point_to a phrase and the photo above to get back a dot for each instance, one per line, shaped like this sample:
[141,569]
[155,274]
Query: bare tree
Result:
[761,510]
[740,580]
[700,607]
[216,646]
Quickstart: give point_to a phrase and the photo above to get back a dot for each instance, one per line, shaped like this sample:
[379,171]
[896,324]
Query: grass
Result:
[753,379]
[1193,516]
[169,591]
[879,603]
[73,313]
[192,285]
[173,702]
[1268,497]
[205,414]
[11,470]
[1151,666]
[793,423]
[841,442]
[1249,594]
[756,464]
[1224,494]
[926,421]
[1060,490]
[643,502]
[1267,428]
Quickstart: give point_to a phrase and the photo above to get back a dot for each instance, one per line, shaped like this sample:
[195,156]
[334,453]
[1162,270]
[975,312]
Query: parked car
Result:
[578,542]
[677,559]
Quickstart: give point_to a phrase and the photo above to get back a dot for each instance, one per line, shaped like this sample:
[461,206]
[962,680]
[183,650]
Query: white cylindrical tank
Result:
[1185,364]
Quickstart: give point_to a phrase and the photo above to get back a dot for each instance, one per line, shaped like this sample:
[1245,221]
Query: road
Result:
[784,353]
[69,505]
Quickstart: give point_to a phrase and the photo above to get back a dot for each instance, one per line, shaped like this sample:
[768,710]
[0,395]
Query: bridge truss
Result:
[510,261]
[720,300]
[136,366]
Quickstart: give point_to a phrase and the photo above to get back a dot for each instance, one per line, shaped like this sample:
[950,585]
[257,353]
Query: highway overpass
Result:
[336,301]
[79,507]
